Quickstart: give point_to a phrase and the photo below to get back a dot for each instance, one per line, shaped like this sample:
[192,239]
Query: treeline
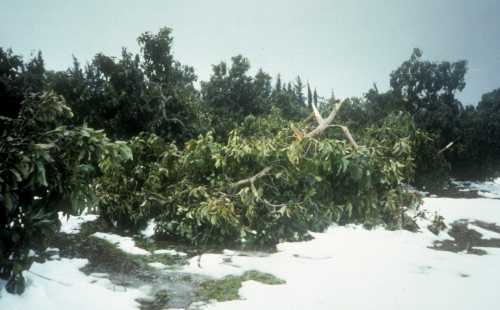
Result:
[245,158]
[153,92]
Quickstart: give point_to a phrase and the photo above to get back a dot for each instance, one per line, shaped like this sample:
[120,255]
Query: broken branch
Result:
[322,123]
[348,136]
[252,179]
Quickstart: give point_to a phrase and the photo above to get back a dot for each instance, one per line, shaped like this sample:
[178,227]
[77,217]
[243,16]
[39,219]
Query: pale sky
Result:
[341,45]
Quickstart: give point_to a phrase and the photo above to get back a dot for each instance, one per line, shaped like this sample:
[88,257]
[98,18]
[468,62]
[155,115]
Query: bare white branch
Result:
[252,179]
[323,123]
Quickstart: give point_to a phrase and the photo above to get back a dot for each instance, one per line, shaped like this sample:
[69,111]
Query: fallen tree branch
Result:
[252,179]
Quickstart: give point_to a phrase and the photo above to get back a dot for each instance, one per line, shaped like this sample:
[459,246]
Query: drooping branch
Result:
[252,179]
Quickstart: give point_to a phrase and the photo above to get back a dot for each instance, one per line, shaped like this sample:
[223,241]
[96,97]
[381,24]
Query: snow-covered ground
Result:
[353,268]
[346,267]
[59,284]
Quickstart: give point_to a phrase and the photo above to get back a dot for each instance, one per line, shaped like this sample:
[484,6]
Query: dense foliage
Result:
[269,182]
[44,168]
[478,139]
[456,141]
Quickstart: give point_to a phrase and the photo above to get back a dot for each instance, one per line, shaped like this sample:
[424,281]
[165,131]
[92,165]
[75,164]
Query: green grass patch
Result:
[228,287]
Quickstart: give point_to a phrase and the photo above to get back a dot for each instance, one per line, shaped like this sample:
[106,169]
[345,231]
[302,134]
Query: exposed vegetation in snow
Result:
[330,271]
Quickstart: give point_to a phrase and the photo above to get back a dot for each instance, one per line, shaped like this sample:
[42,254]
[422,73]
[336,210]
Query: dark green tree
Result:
[150,92]
[309,95]
[18,79]
[425,85]
[298,88]
[231,94]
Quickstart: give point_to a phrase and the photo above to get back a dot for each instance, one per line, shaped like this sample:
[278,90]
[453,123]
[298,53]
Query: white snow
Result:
[170,252]
[149,231]
[158,265]
[69,288]
[71,224]
[488,194]
[126,244]
[452,209]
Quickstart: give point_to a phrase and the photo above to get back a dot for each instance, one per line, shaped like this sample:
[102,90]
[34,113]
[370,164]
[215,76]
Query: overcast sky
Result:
[342,45]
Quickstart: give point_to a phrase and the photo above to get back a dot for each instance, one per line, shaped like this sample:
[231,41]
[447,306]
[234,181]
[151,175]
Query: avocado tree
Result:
[45,168]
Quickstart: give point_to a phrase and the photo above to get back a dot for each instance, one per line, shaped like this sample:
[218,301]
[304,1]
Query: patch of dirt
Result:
[467,240]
